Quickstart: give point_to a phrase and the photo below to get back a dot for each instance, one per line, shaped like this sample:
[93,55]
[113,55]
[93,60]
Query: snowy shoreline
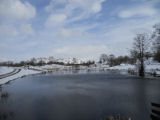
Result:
[34,70]
[23,72]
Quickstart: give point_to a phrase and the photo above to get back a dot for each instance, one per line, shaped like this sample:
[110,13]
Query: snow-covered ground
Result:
[23,72]
[151,67]
[49,67]
[121,67]
[4,70]
[55,67]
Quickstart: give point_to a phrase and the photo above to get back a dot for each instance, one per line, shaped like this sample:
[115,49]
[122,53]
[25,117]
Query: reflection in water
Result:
[91,96]
[4,95]
[118,117]
[0,88]
[74,71]
[5,114]
[141,90]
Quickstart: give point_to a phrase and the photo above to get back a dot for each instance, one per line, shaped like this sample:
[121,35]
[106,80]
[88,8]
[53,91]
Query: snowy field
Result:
[49,67]
[23,72]
[121,67]
[4,70]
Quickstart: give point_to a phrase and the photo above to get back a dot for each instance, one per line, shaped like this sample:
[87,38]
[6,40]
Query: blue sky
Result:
[72,28]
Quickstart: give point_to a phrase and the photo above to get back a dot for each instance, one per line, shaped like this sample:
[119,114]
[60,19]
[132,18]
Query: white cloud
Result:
[73,32]
[120,36]
[65,33]
[8,31]
[27,29]
[53,3]
[88,5]
[14,16]
[138,11]
[81,51]
[97,7]
[55,20]
[15,9]
[75,10]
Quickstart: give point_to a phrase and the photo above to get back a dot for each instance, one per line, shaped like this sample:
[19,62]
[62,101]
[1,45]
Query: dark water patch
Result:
[90,96]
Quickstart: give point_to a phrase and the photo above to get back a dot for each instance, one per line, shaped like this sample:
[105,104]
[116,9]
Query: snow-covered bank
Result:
[121,67]
[55,67]
[153,67]
[30,70]
[49,67]
[4,70]
[149,68]
[23,72]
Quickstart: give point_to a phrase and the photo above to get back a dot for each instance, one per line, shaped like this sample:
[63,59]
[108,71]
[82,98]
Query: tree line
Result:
[145,46]
[41,62]
[112,60]
[146,43]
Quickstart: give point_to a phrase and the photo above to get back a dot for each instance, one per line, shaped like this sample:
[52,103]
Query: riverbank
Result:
[20,73]
[12,73]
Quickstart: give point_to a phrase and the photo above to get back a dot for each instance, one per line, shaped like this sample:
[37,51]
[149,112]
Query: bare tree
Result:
[140,48]
[103,58]
[156,43]
[111,60]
